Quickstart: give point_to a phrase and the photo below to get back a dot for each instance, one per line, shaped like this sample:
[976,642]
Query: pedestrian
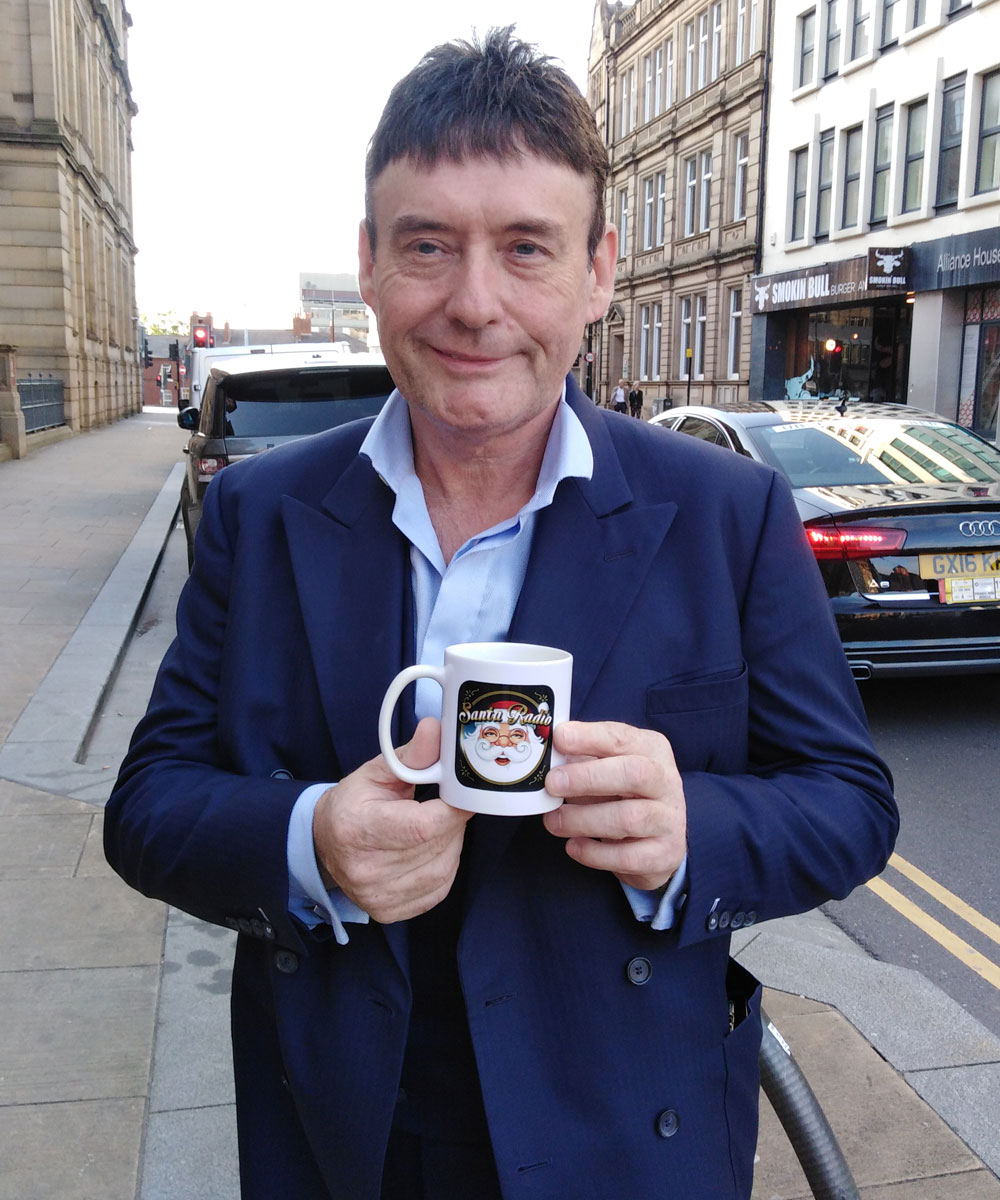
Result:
[427,1003]
[635,400]
[619,399]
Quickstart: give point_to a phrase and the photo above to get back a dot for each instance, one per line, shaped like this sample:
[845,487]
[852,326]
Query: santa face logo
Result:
[504,736]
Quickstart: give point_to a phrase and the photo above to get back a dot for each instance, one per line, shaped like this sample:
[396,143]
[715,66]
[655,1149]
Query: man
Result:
[619,400]
[635,401]
[424,1004]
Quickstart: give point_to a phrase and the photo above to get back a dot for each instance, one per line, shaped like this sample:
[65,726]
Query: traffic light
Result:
[200,337]
[147,356]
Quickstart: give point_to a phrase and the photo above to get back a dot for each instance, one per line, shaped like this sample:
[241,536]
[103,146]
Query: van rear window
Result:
[295,403]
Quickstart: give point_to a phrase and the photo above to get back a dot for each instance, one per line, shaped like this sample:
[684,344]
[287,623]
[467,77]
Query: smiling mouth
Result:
[501,761]
[467,360]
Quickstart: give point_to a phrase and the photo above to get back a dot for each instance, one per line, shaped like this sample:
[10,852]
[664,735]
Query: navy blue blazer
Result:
[680,580]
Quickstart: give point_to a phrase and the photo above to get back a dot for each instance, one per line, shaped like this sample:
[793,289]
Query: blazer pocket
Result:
[704,719]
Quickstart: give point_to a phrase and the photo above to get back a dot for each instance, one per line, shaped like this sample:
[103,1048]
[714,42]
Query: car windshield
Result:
[295,403]
[846,452]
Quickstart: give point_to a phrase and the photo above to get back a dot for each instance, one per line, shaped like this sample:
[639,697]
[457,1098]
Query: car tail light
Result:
[207,467]
[829,541]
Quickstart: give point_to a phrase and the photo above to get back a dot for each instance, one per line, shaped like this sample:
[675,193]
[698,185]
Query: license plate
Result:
[965,576]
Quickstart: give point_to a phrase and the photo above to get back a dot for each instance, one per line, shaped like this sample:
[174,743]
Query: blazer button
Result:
[639,971]
[750,918]
[738,921]
[724,918]
[713,922]
[667,1123]
[281,773]
[286,962]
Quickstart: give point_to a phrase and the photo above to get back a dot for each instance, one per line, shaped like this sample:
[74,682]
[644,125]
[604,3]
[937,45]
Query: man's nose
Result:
[504,739]
[475,293]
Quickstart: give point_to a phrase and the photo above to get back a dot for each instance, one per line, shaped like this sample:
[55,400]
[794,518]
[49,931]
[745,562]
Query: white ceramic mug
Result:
[501,701]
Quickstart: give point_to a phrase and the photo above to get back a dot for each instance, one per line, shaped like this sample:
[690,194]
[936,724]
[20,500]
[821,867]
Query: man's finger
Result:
[608,739]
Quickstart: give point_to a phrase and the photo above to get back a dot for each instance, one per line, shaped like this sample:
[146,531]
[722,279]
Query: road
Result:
[936,908]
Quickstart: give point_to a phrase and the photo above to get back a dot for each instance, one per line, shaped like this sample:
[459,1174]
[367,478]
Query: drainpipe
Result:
[765,106]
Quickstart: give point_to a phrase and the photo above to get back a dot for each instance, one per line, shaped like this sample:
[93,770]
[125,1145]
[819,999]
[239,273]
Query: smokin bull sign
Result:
[882,270]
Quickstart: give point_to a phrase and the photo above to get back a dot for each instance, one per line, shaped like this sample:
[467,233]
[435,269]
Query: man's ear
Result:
[366,267]
[603,273]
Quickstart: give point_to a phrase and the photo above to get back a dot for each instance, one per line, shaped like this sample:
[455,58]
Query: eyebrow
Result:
[412,223]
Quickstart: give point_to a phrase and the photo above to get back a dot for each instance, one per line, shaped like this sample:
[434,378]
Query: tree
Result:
[165,322]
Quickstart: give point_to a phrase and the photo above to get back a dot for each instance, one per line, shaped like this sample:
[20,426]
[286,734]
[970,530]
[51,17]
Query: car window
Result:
[704,430]
[832,454]
[295,403]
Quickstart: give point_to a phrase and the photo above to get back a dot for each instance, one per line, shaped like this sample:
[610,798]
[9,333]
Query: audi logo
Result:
[979,528]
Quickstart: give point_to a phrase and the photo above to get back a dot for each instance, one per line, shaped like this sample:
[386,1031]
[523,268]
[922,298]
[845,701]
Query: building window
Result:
[807,48]
[881,165]
[685,370]
[650,328]
[661,207]
[689,58]
[648,215]
[852,178]
[690,194]
[623,223]
[988,160]
[800,165]
[916,137]
[741,22]
[824,184]
[700,324]
[754,17]
[668,79]
[716,39]
[627,88]
[741,146]
[860,34]
[919,13]
[950,156]
[702,48]
[659,103]
[831,59]
[735,332]
[648,108]
[705,208]
[892,20]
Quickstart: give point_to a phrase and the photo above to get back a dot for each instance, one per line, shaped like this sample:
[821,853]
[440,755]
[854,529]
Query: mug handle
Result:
[431,774]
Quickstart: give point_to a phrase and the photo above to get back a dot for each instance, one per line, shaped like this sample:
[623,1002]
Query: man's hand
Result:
[624,810]
[394,857]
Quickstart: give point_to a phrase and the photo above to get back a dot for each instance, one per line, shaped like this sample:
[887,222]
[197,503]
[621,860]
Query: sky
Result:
[253,121]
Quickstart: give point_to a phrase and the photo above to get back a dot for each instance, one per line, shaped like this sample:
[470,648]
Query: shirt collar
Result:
[567,455]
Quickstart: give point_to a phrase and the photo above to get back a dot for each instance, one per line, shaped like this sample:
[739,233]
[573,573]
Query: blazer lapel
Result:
[351,571]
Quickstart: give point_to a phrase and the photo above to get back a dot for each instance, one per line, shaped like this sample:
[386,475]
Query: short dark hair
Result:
[495,99]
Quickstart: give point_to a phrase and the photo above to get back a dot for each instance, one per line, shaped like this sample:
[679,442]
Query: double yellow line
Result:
[941,934]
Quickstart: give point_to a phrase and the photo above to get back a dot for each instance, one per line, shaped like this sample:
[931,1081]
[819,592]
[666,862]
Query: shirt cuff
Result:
[660,909]
[308,899]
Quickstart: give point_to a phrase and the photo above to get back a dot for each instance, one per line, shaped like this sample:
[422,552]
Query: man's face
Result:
[502,752]
[482,288]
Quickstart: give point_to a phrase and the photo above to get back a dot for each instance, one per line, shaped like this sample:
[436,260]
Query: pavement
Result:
[115,1076]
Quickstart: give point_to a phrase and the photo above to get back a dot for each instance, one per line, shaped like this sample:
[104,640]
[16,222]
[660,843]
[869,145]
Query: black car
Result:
[253,402]
[902,510]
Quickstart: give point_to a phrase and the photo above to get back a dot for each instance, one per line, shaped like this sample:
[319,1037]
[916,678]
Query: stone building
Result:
[678,88]
[67,292]
[880,274]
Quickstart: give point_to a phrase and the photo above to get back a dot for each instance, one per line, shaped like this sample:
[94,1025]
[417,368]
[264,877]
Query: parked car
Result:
[252,403]
[902,510]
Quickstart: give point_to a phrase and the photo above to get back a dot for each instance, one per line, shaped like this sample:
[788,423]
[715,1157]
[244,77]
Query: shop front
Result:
[838,330]
[959,279]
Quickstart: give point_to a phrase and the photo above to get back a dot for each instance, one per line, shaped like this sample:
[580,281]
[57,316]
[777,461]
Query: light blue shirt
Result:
[469,599]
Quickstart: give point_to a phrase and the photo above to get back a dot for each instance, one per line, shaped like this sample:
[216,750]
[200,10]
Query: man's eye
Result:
[525,249]
[425,248]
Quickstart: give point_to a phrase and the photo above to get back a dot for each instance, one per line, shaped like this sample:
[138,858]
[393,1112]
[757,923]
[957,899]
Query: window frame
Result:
[623,222]
[861,14]
[705,165]
[832,40]
[799,195]
[881,167]
[687,311]
[852,179]
[735,343]
[741,174]
[992,78]
[806,42]
[700,334]
[702,48]
[689,44]
[824,183]
[690,167]
[950,142]
[716,11]
[913,158]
